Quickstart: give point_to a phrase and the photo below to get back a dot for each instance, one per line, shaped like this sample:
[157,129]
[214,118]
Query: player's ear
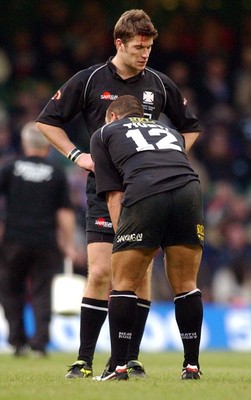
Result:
[119,44]
[114,116]
[110,117]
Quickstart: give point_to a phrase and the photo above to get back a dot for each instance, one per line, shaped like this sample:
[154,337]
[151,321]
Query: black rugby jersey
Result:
[141,157]
[91,91]
[34,189]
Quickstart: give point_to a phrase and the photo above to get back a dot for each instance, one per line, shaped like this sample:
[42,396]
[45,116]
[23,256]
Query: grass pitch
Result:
[226,375]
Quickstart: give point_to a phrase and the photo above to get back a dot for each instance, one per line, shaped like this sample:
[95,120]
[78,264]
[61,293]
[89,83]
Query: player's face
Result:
[135,52]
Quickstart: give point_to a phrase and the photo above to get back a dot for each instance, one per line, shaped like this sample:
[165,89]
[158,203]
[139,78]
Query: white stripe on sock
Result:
[133,296]
[94,307]
[187,294]
[143,305]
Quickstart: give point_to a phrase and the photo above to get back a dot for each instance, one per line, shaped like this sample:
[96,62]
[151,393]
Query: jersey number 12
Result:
[167,142]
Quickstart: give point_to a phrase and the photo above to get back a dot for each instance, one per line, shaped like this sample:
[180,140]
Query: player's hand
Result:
[85,161]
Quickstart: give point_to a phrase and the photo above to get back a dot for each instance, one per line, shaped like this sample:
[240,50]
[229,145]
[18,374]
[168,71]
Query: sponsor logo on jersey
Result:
[32,172]
[108,96]
[57,95]
[102,223]
[132,237]
[148,97]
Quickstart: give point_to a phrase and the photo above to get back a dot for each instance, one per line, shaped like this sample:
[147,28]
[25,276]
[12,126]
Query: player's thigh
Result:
[129,268]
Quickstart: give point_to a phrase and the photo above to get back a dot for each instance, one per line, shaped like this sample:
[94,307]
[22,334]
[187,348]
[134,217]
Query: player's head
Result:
[132,23]
[123,106]
[134,34]
[32,139]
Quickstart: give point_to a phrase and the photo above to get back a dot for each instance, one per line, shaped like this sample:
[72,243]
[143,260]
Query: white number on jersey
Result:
[166,142]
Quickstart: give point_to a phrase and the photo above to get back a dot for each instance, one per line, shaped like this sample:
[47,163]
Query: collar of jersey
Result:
[113,69]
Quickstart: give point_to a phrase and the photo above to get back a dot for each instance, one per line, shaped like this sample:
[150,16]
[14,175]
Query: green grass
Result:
[226,375]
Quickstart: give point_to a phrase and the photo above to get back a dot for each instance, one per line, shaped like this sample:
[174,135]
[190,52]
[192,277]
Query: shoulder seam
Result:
[161,81]
[89,79]
[101,132]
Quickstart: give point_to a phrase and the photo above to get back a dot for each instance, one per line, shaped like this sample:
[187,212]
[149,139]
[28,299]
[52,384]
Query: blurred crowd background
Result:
[205,48]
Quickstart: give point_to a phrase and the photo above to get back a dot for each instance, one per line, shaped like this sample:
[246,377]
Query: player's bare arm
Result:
[190,139]
[59,139]
[114,206]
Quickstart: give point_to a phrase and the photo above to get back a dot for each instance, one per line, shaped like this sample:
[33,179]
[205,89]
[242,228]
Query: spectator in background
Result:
[226,155]
[178,41]
[215,37]
[225,265]
[213,87]
[245,30]
[242,102]
[39,228]
[242,84]
[232,280]
[5,67]
[218,153]
[56,54]
[23,55]
[87,44]
[24,107]
[180,72]
[7,151]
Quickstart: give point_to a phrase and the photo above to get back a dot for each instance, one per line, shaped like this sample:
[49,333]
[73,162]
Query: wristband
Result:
[74,154]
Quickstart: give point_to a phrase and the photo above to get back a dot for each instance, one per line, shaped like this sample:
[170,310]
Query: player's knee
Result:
[99,276]
[184,286]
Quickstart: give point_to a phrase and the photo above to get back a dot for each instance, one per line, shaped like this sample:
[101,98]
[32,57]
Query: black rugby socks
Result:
[93,315]
[122,314]
[189,314]
[143,308]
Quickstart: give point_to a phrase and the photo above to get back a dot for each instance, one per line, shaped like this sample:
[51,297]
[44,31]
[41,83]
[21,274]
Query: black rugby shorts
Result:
[170,218]
[97,214]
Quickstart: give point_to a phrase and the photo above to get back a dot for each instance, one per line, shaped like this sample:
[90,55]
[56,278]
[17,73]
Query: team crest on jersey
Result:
[57,96]
[108,96]
[200,232]
[148,97]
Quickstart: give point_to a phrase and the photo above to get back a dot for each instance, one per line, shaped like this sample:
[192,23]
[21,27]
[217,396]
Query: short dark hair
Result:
[125,105]
[134,22]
